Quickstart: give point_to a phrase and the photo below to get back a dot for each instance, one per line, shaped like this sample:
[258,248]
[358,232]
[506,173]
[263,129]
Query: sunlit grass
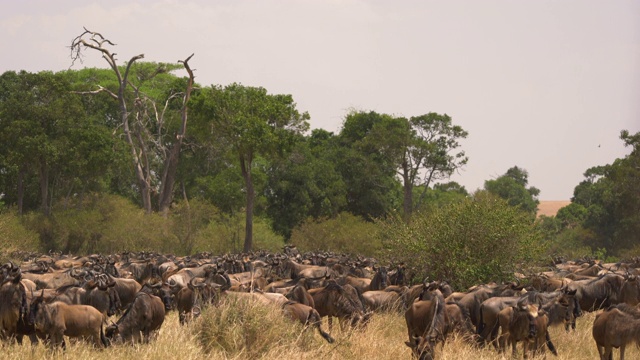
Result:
[383,338]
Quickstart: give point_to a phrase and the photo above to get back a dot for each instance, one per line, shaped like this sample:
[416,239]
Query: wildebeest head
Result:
[111,331]
[37,313]
[531,312]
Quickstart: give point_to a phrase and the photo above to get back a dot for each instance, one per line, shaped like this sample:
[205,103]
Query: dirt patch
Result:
[550,208]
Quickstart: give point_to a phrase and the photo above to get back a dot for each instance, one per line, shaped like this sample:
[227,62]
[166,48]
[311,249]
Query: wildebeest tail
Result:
[480,327]
[315,320]
[550,345]
[105,341]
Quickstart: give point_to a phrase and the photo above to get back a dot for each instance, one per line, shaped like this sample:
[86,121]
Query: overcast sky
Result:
[544,85]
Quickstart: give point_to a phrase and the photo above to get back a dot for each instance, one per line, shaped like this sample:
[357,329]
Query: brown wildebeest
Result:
[58,319]
[300,294]
[141,319]
[518,323]
[341,302]
[426,326]
[127,290]
[616,327]
[381,300]
[57,279]
[600,292]
[560,307]
[14,306]
[195,295]
[378,282]
[307,315]
[542,335]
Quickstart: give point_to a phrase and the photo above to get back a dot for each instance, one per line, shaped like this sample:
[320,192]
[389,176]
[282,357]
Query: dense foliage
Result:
[474,241]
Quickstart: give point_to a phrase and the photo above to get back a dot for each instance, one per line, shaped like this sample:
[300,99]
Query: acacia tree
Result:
[422,148]
[137,111]
[255,124]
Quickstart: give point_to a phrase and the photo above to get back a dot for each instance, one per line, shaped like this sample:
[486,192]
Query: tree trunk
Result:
[44,188]
[407,187]
[246,174]
[407,202]
[21,190]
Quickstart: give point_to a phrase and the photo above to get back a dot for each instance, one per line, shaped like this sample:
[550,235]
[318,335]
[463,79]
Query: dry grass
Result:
[383,338]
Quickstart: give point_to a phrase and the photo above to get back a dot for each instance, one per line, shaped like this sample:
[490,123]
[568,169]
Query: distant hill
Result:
[550,208]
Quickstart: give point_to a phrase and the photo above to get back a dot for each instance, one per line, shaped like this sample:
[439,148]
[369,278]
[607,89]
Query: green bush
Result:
[104,224]
[248,329]
[474,241]
[346,233]
[225,234]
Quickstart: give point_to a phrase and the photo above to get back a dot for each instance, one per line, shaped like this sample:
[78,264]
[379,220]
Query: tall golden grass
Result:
[218,334]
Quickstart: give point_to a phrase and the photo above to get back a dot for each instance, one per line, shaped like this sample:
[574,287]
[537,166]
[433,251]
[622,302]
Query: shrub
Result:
[477,240]
[15,237]
[345,233]
[248,328]
[225,234]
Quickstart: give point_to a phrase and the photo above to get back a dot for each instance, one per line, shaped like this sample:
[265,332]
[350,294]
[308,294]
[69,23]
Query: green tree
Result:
[609,194]
[48,136]
[420,149]
[369,176]
[512,186]
[305,184]
[254,123]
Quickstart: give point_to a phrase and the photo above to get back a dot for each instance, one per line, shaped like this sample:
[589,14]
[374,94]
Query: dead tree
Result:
[141,142]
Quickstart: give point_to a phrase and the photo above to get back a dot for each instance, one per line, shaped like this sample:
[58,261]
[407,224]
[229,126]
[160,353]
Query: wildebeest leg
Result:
[514,350]
[622,346]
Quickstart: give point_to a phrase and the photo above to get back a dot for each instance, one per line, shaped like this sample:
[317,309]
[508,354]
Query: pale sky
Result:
[544,85]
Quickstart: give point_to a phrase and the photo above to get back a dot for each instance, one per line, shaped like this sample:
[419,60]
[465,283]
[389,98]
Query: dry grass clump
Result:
[238,327]
[255,331]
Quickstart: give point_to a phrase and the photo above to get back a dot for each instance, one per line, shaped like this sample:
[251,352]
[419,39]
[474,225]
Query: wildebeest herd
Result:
[50,297]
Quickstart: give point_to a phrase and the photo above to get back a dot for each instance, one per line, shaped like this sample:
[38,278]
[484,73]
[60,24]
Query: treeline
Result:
[134,157]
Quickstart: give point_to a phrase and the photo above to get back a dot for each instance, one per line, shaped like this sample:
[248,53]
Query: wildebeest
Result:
[378,282]
[300,294]
[616,327]
[426,326]
[598,293]
[380,300]
[561,307]
[144,316]
[307,271]
[472,299]
[57,319]
[14,306]
[196,294]
[307,315]
[335,300]
[518,323]
[126,289]
[57,279]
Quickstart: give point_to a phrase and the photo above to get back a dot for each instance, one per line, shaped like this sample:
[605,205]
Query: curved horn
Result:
[194,285]
[226,286]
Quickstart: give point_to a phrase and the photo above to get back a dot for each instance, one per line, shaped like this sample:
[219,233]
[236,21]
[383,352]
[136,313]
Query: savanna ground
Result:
[221,333]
